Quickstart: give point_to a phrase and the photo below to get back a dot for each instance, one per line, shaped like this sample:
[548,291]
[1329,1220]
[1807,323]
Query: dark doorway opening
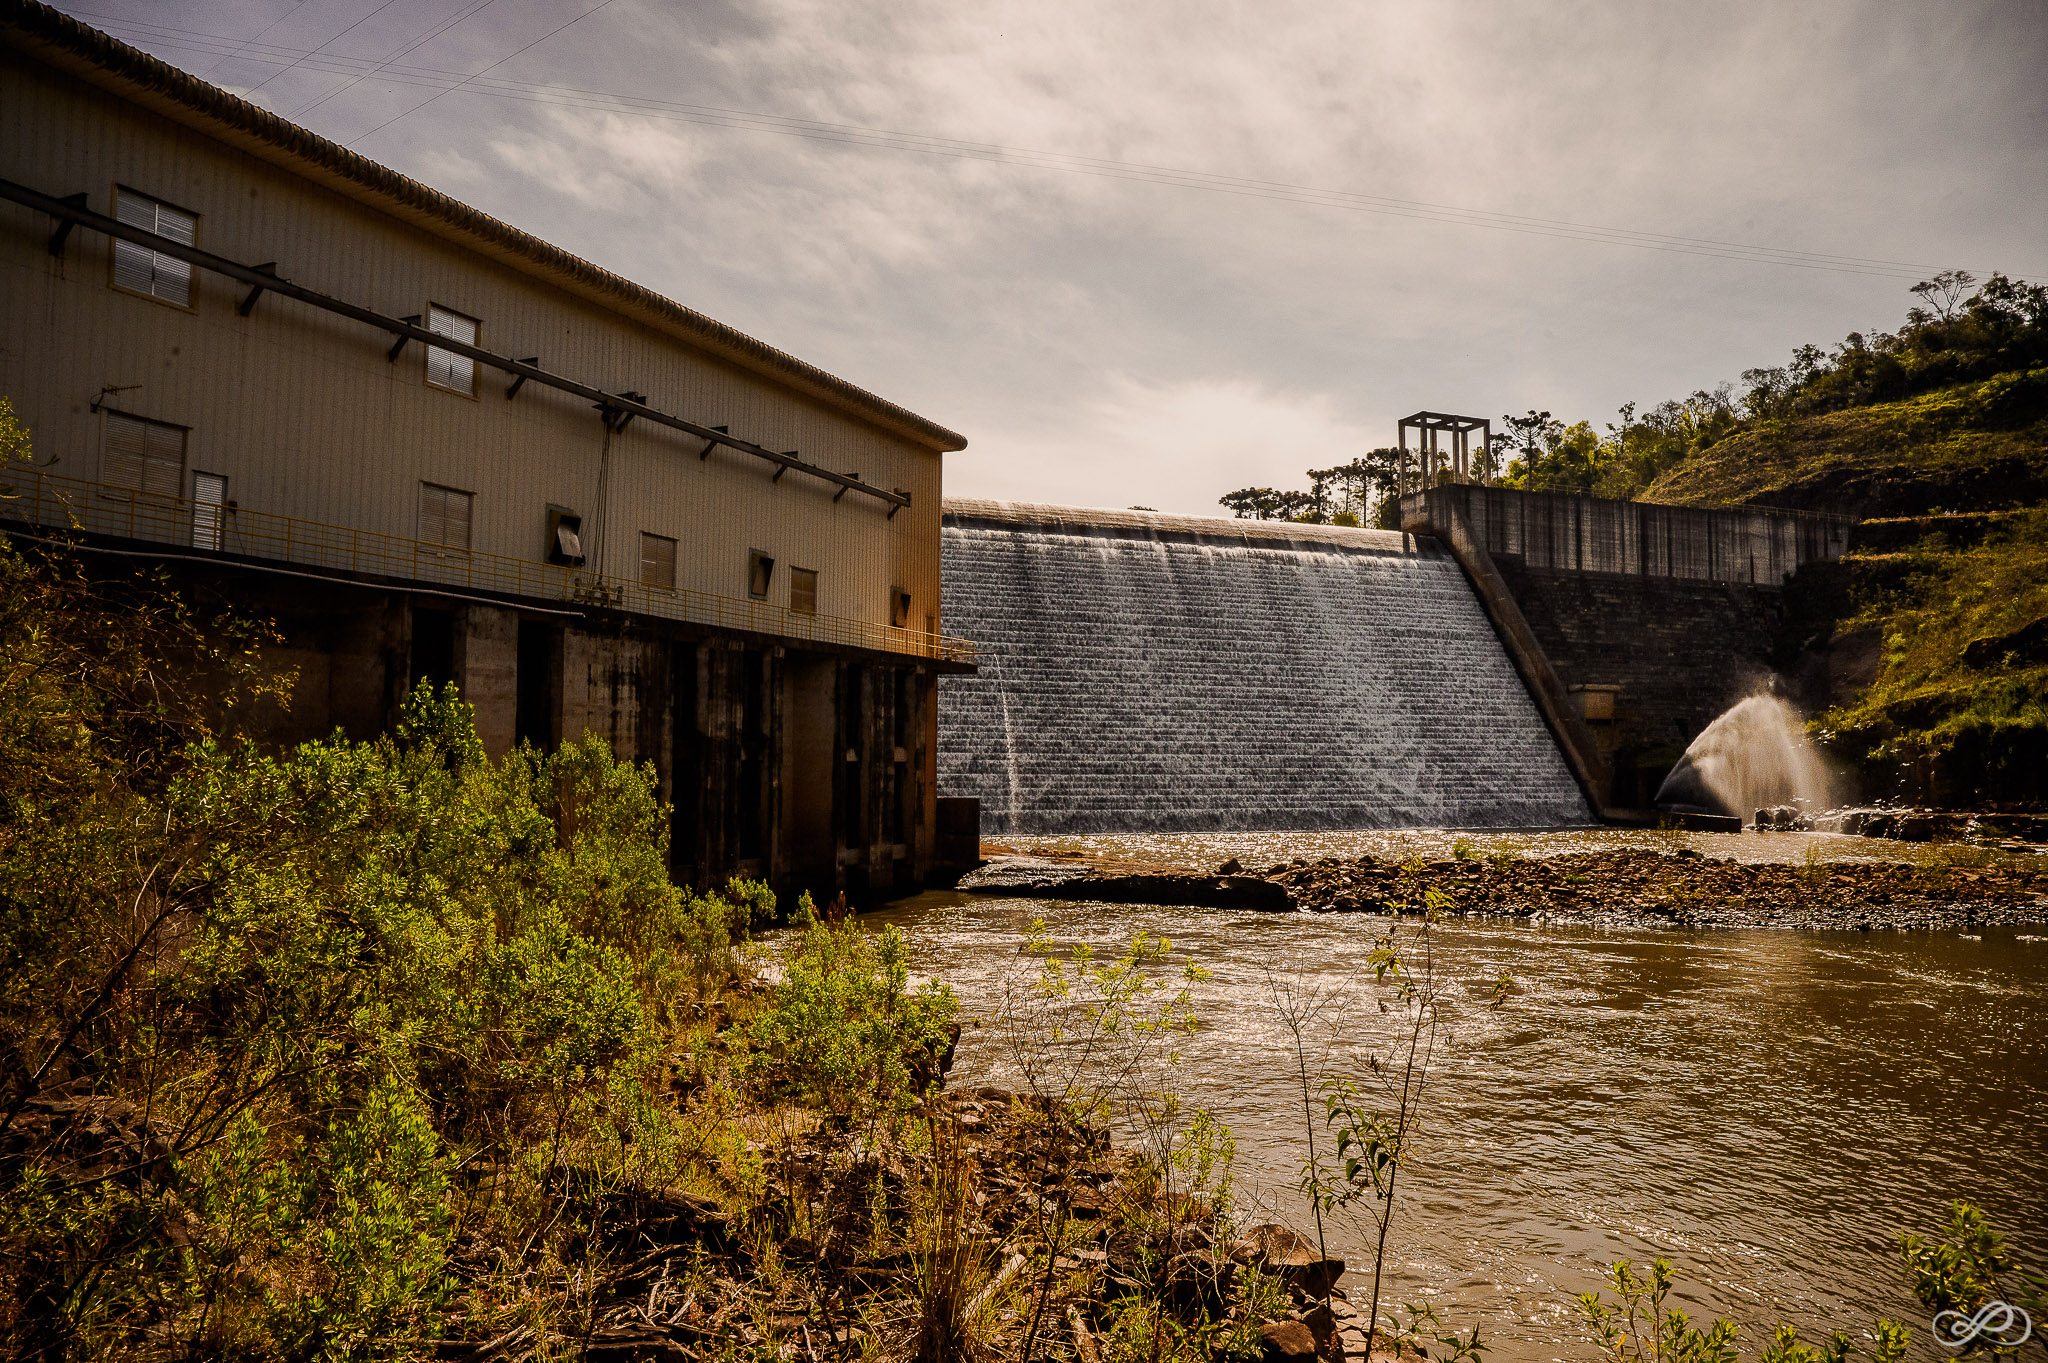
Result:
[899,792]
[852,783]
[753,752]
[433,646]
[538,683]
[686,767]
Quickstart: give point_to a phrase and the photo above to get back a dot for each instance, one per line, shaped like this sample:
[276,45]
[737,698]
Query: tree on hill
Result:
[1953,336]
[1343,494]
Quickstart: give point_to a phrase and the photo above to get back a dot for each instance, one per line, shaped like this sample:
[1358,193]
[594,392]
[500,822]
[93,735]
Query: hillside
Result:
[1972,447]
[1924,652]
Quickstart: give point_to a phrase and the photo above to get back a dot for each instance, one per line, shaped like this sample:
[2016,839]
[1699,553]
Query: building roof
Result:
[65,43]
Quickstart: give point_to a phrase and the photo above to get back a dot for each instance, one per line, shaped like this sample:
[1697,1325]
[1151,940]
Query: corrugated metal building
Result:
[432,445]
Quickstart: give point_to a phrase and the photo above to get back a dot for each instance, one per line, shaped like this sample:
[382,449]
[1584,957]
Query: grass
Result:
[1956,720]
[1973,446]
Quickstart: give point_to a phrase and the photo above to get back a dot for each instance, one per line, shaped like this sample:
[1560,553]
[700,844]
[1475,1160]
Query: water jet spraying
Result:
[1754,755]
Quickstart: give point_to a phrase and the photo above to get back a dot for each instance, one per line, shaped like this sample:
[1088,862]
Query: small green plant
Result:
[1420,1331]
[1814,873]
[1639,1328]
[1464,849]
[1959,1272]
[1373,1131]
[1097,1039]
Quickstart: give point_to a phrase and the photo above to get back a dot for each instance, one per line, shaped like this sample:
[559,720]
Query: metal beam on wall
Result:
[72,212]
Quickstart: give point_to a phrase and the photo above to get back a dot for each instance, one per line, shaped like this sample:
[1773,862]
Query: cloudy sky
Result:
[1143,251]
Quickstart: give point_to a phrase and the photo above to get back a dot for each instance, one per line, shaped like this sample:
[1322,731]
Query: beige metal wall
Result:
[303,414]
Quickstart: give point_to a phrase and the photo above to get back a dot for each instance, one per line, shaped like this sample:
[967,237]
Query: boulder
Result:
[1278,1250]
[1287,1341]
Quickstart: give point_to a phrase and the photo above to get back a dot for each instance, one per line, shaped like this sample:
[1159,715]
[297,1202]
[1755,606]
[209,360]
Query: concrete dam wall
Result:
[1653,619]
[1150,673]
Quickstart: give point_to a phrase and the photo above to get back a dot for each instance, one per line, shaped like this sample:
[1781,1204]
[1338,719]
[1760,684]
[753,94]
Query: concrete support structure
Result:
[803,767]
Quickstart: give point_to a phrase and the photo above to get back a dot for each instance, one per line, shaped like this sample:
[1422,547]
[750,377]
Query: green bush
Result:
[845,1033]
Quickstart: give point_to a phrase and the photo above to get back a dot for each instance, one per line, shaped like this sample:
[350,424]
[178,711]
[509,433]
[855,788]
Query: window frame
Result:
[799,574]
[645,581]
[191,303]
[476,331]
[469,520]
[757,557]
[142,488]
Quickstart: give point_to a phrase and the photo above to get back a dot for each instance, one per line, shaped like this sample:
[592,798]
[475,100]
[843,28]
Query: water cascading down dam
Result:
[1142,672]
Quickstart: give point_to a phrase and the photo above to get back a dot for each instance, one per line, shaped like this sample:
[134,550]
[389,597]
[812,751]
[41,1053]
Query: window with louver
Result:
[445,368]
[209,510]
[144,456]
[151,272]
[444,517]
[803,590]
[658,561]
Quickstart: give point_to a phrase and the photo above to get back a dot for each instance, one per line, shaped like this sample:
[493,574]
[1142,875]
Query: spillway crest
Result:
[1150,673]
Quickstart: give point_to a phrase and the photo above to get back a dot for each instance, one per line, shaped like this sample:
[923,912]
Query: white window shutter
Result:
[163,460]
[174,276]
[445,368]
[123,462]
[147,271]
[144,456]
[209,507]
[444,516]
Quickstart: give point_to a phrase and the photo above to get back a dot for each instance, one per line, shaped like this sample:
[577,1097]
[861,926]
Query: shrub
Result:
[845,1033]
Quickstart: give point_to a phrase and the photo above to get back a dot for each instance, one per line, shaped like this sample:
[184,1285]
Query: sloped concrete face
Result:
[1149,673]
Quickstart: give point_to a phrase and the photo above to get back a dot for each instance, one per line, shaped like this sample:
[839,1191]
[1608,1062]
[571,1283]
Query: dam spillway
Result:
[1142,672]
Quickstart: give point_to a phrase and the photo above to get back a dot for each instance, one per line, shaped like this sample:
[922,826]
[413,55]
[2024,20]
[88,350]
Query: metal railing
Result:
[51,502]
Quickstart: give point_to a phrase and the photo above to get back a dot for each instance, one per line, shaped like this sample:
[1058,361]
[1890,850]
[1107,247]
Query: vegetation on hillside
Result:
[1994,340]
[1977,445]
[1957,710]
[1963,382]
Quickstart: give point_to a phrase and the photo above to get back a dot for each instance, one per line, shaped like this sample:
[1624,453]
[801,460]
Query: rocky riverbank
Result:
[1958,888]
[1684,889]
[1042,878]
[1024,1224]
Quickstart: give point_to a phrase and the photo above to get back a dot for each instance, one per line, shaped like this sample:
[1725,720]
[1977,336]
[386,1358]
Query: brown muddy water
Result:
[1767,1108]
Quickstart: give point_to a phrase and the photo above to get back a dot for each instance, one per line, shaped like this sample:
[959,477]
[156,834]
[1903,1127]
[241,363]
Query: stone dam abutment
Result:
[1142,672]
[1634,624]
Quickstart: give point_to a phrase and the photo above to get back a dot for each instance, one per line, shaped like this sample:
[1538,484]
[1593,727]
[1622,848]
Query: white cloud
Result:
[1052,316]
[1175,447]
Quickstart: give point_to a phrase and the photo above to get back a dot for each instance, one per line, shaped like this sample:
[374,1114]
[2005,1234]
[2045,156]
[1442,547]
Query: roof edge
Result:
[77,48]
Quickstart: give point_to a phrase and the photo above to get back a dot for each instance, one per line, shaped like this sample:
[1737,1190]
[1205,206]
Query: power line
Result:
[323,46]
[476,8]
[467,80]
[558,96]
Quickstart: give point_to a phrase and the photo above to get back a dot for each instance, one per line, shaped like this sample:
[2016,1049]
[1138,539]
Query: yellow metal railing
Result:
[52,502]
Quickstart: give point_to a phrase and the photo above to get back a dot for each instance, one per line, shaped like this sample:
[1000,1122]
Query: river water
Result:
[1767,1108]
